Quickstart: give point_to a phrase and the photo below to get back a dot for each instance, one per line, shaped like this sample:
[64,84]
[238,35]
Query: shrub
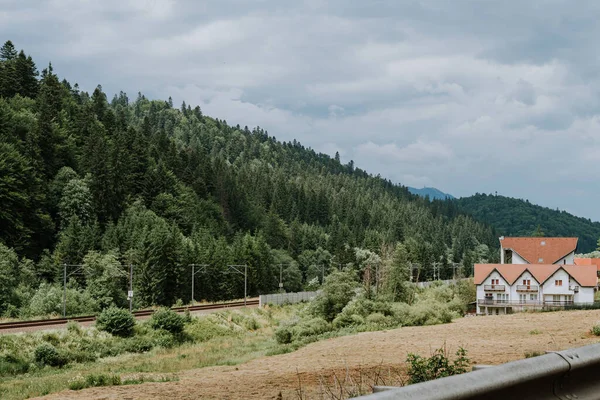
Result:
[138,344]
[205,328]
[11,365]
[93,380]
[167,320]
[596,330]
[336,292]
[46,354]
[116,321]
[283,335]
[311,327]
[535,353]
[421,369]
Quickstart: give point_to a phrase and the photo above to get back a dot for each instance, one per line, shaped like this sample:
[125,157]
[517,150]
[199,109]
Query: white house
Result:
[504,288]
[537,250]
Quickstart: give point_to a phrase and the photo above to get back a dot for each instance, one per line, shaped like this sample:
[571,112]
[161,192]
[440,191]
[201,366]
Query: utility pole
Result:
[194,272]
[237,268]
[130,294]
[65,276]
[64,290]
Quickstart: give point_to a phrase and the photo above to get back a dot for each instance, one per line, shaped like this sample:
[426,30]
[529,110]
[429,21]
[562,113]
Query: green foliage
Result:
[438,365]
[116,321]
[168,320]
[88,181]
[596,330]
[94,380]
[336,292]
[48,300]
[46,354]
[516,217]
[534,353]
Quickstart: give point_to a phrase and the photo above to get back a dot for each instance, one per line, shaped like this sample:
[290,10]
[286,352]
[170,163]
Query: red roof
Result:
[534,249]
[585,275]
[588,261]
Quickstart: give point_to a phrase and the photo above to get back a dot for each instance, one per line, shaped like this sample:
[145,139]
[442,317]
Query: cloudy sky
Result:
[465,96]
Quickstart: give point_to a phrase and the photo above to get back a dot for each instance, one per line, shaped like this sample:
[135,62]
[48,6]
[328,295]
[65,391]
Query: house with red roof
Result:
[505,288]
[538,250]
[535,273]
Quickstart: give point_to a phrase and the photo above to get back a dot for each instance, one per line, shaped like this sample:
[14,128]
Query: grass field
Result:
[241,370]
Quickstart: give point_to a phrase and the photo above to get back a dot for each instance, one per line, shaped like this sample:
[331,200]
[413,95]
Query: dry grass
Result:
[324,366]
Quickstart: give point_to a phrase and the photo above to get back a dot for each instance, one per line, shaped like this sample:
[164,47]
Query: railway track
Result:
[140,313]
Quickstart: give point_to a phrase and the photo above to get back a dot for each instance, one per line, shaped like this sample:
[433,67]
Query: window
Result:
[540,260]
[533,297]
[558,282]
[527,282]
[495,281]
[556,298]
[522,298]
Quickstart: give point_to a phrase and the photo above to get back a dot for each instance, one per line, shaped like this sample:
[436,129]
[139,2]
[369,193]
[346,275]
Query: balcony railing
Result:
[527,288]
[539,303]
[494,288]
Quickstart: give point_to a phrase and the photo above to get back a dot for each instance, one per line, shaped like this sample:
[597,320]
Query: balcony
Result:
[527,288]
[524,303]
[494,288]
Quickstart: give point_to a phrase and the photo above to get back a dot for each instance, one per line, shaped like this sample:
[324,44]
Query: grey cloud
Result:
[467,96]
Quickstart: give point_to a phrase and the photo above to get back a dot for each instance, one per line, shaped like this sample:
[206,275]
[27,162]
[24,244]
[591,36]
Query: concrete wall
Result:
[286,298]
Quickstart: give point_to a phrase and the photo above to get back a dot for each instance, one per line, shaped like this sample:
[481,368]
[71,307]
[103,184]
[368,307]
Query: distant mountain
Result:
[516,217]
[433,193]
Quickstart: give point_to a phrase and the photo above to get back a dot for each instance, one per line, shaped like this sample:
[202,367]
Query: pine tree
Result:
[8,51]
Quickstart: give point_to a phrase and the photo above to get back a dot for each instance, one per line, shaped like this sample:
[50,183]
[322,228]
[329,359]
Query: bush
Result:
[421,369]
[138,344]
[336,293]
[311,327]
[207,327]
[116,321]
[283,335]
[596,330]
[92,380]
[11,365]
[167,320]
[46,354]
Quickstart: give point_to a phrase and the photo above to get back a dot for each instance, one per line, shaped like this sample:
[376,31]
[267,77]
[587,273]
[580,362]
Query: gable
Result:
[540,250]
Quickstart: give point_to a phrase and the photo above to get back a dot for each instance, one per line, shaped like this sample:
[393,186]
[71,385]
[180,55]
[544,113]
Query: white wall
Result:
[514,295]
[481,288]
[516,259]
[568,260]
[585,295]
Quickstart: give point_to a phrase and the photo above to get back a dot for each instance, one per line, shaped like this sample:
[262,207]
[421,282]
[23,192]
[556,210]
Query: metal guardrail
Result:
[568,375]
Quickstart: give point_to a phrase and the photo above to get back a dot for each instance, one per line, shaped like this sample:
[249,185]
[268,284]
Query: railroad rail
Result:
[140,313]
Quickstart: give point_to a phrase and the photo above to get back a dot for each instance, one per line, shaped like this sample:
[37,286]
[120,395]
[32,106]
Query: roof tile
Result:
[533,249]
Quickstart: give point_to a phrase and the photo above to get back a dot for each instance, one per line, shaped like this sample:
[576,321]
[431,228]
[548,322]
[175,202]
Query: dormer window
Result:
[543,243]
[540,260]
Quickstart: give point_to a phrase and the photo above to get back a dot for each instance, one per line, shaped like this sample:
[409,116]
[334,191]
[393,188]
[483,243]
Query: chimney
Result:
[501,250]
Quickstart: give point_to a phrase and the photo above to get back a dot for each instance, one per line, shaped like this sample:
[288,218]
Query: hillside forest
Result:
[515,217]
[90,186]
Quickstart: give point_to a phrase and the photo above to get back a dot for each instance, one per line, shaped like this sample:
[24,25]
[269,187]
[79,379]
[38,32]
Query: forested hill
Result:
[84,180]
[515,217]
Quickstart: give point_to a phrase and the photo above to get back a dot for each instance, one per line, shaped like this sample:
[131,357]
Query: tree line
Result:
[99,185]
[516,217]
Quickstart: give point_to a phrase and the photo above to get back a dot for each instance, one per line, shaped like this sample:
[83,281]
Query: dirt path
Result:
[489,340]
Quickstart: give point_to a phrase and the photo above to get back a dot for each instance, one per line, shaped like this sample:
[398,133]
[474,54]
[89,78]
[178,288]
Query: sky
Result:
[465,96]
